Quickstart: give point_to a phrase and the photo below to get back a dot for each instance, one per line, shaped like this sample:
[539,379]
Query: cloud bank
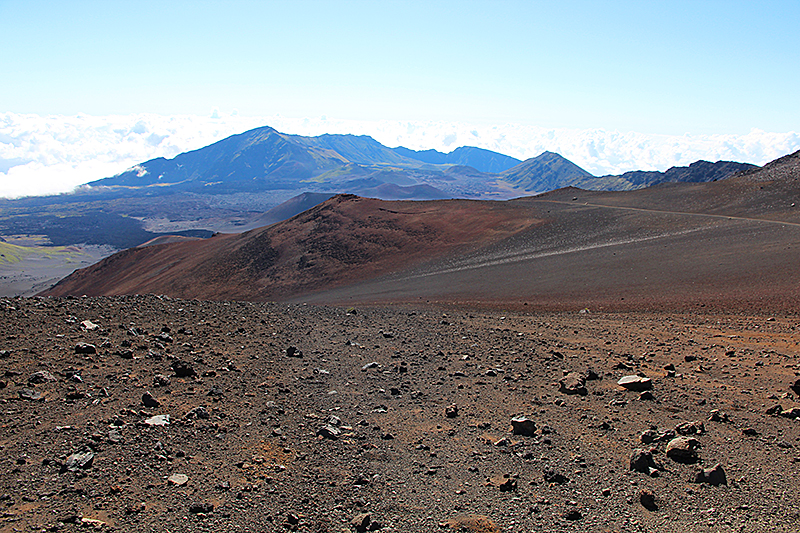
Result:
[52,154]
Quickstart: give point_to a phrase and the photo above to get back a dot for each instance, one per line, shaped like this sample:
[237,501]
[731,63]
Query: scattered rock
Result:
[158,420]
[796,387]
[718,416]
[522,425]
[160,380]
[201,507]
[373,364]
[148,400]
[178,479]
[183,369]
[653,435]
[42,376]
[646,396]
[642,461]
[509,485]
[331,429]
[775,410]
[79,460]
[573,383]
[648,499]
[691,428]
[794,412]
[451,411]
[200,413]
[93,523]
[84,348]
[471,524]
[551,476]
[88,325]
[635,383]
[292,351]
[683,449]
[30,394]
[363,522]
[713,476]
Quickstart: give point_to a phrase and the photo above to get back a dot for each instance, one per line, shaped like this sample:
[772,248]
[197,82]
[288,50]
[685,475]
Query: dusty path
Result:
[668,212]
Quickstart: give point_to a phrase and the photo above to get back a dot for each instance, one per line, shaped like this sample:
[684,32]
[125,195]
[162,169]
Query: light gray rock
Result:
[635,383]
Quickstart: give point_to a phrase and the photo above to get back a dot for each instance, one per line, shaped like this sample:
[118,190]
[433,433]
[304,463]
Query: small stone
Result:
[683,449]
[451,411]
[635,383]
[551,476]
[158,420]
[373,364]
[522,425]
[79,460]
[84,348]
[93,523]
[796,387]
[160,380]
[329,432]
[653,435]
[114,436]
[31,395]
[691,428]
[573,383]
[718,416]
[88,325]
[642,461]
[183,369]
[713,476]
[42,376]
[178,479]
[572,514]
[292,351]
[200,413]
[509,485]
[794,412]
[148,400]
[203,507]
[361,522]
[775,410]
[648,499]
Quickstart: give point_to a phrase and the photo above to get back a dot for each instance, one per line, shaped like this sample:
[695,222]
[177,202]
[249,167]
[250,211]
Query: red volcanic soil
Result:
[186,415]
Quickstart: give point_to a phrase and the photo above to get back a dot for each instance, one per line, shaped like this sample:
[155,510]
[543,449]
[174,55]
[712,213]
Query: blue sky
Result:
[656,67]
[614,85]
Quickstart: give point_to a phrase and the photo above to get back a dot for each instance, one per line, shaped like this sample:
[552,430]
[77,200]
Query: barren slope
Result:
[340,241]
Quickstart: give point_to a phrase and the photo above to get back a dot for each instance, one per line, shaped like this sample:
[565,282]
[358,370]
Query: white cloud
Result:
[51,154]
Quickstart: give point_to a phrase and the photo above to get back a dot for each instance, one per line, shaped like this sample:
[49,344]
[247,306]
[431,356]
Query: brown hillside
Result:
[343,240]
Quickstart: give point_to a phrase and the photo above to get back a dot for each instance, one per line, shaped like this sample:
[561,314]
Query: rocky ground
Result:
[150,413]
